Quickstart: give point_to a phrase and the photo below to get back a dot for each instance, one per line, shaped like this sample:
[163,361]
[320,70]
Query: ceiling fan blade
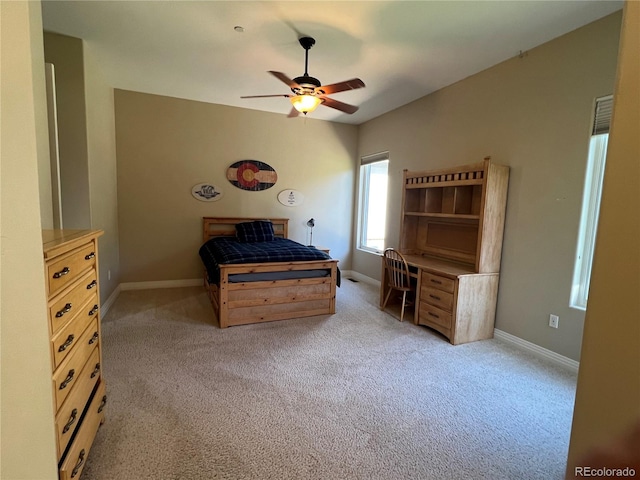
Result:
[340,87]
[286,95]
[293,113]
[284,79]
[343,107]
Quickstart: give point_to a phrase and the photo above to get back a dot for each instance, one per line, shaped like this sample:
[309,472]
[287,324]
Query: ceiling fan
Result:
[308,92]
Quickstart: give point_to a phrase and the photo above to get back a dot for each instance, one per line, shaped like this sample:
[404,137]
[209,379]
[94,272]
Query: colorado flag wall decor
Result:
[252,175]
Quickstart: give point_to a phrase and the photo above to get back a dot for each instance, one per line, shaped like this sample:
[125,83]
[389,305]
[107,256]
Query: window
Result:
[372,206]
[591,202]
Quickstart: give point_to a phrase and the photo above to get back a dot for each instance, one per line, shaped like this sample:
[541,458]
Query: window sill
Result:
[372,252]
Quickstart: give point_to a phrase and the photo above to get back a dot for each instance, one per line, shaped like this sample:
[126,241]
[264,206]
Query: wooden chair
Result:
[398,278]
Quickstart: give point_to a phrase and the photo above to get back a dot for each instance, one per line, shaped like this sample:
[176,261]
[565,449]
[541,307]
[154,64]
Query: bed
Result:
[262,290]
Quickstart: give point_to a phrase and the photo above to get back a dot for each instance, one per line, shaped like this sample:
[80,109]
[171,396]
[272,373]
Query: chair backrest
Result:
[397,269]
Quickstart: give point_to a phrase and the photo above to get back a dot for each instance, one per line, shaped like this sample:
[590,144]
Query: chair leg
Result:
[404,297]
[386,299]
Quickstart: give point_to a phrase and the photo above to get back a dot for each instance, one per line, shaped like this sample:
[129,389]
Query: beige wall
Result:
[44,164]
[27,438]
[608,393]
[166,145]
[103,188]
[86,135]
[531,113]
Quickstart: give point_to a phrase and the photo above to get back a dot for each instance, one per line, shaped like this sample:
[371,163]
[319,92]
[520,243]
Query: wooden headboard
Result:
[226,226]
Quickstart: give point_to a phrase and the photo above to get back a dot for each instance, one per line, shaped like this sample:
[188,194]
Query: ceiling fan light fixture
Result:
[305,103]
[307,92]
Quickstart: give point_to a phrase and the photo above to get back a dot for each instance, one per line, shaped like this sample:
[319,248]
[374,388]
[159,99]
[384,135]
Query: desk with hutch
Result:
[451,234]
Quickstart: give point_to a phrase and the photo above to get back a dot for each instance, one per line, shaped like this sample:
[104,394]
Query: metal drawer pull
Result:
[78,466]
[62,272]
[93,339]
[68,342]
[90,256]
[92,284]
[72,420]
[102,404]
[66,309]
[67,380]
[438,282]
[93,310]
[433,315]
[96,370]
[434,297]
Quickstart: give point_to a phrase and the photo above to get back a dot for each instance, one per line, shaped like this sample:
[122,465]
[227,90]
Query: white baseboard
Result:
[360,277]
[104,308]
[190,282]
[537,350]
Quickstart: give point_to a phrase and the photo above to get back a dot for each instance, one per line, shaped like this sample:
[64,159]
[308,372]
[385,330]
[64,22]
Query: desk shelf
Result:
[450,216]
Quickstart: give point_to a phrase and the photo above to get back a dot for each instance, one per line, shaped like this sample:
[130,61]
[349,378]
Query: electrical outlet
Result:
[554,320]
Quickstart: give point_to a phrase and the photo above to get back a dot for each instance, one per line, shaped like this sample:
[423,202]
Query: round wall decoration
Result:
[252,175]
[206,192]
[290,198]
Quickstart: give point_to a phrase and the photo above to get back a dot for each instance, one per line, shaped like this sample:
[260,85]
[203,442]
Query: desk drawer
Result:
[437,298]
[66,306]
[68,416]
[436,281]
[66,269]
[76,457]
[66,376]
[430,315]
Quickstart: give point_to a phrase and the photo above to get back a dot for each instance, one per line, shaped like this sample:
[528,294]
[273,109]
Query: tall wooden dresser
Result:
[451,234]
[71,270]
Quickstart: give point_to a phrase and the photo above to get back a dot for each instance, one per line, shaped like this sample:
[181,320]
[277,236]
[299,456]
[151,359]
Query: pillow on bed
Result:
[258,231]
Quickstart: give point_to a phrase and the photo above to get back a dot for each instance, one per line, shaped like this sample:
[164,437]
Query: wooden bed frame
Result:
[266,301]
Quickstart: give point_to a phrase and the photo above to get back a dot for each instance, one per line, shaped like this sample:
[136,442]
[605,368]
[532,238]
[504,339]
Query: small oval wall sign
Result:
[252,175]
[206,192]
[290,198]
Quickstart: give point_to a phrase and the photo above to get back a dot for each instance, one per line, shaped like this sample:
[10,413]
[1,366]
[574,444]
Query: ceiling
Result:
[402,50]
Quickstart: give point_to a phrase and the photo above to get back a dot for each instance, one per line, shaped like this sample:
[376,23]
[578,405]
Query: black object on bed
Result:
[229,250]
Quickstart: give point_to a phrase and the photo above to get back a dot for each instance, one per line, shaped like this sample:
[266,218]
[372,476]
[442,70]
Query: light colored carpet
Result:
[356,395]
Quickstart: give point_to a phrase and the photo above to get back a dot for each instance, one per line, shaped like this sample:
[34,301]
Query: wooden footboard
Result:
[266,301]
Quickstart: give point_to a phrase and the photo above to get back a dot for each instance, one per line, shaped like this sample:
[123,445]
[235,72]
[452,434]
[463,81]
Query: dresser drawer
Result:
[436,281]
[66,268]
[68,416]
[66,306]
[76,456]
[436,297]
[67,337]
[430,315]
[66,376]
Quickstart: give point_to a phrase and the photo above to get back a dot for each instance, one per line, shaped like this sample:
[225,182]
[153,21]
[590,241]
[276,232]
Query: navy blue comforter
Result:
[228,250]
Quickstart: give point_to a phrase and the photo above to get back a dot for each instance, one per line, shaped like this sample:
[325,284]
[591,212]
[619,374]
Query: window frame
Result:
[591,198]
[366,163]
